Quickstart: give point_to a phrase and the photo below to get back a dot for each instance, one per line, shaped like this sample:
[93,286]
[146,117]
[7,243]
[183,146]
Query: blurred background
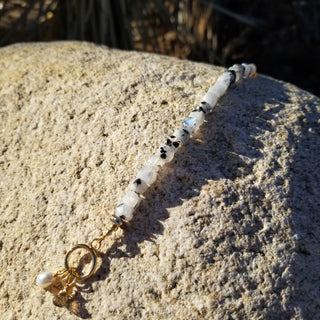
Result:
[281,37]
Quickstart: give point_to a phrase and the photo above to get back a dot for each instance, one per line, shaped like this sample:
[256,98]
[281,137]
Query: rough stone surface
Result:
[231,228]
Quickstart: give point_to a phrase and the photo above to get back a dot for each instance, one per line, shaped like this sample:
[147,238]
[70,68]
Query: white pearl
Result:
[148,174]
[131,199]
[124,211]
[44,279]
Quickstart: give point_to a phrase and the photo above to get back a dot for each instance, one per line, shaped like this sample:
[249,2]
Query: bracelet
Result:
[63,283]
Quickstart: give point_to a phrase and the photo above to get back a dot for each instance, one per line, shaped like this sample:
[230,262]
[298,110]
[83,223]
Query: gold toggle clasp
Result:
[93,257]
[63,282]
[67,278]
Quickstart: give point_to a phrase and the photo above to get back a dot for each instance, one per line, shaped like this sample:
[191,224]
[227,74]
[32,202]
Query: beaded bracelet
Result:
[63,283]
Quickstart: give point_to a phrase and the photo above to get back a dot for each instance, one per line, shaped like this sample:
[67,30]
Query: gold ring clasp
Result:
[93,255]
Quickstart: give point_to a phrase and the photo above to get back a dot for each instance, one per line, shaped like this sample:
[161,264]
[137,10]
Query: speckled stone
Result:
[231,228]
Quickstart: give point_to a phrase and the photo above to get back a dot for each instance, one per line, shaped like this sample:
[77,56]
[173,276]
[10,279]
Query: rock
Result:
[230,230]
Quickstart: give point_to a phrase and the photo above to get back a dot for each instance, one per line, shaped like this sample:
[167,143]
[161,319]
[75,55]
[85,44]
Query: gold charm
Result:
[63,283]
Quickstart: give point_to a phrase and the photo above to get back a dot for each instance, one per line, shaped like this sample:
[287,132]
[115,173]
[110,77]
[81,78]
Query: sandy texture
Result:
[231,228]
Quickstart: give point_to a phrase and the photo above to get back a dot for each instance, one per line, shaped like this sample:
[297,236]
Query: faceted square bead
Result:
[199,115]
[181,135]
[138,186]
[166,152]
[173,142]
[211,98]
[190,124]
[125,212]
[253,69]
[221,86]
[148,174]
[131,199]
[232,76]
[156,160]
[247,70]
[239,70]
[225,78]
[204,106]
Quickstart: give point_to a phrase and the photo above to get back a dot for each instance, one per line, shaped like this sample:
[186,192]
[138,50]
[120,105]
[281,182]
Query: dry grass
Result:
[282,37]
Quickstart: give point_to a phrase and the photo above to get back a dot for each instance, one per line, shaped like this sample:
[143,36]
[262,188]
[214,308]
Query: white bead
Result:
[166,153]
[156,160]
[221,85]
[253,69]
[181,135]
[44,279]
[211,98]
[173,143]
[199,115]
[131,199]
[190,124]
[124,212]
[219,88]
[138,186]
[148,174]
[225,78]
[239,71]
[247,70]
[204,106]
[250,69]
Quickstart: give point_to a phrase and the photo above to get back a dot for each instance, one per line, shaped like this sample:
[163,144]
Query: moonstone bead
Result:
[199,115]
[181,135]
[225,78]
[221,86]
[239,71]
[156,160]
[232,75]
[211,98]
[148,174]
[138,186]
[204,106]
[131,199]
[173,142]
[44,279]
[124,212]
[253,69]
[166,152]
[249,69]
[190,124]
